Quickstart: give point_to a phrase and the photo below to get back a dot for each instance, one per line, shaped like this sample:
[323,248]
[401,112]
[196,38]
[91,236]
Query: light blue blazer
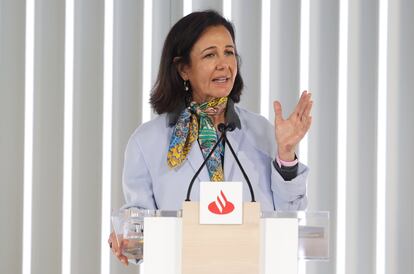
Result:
[148,182]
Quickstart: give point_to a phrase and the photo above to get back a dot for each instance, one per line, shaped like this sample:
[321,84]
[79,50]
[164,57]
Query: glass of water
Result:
[129,229]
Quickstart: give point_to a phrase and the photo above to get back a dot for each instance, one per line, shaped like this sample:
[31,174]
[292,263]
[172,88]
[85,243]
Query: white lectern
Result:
[266,243]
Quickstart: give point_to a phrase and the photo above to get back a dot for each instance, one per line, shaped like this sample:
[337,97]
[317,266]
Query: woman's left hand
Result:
[289,132]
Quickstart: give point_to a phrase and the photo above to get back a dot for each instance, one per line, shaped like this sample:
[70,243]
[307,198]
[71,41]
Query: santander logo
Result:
[221,205]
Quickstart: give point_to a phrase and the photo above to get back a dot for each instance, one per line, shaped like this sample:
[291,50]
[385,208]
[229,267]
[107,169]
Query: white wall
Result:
[358,202]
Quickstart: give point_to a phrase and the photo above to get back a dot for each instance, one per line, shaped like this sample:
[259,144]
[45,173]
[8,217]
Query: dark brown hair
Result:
[168,91]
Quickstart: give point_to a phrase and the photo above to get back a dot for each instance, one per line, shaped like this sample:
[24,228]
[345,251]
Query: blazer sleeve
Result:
[289,195]
[136,178]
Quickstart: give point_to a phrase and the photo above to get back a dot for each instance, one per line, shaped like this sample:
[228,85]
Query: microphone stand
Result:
[240,166]
[223,129]
[201,167]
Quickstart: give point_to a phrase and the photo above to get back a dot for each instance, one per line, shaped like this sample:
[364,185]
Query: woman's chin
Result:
[221,92]
[212,94]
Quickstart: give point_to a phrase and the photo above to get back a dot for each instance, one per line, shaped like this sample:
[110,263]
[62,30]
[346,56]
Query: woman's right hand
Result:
[116,249]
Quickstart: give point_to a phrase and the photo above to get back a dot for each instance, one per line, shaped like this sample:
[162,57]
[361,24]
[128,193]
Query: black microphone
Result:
[222,128]
[230,127]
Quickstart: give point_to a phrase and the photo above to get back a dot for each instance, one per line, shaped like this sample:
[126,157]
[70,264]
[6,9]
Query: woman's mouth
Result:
[221,80]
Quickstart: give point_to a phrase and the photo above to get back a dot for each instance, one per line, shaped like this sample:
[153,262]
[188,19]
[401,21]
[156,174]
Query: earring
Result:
[186,86]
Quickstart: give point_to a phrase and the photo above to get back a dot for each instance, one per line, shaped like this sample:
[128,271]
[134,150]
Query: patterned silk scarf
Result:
[193,124]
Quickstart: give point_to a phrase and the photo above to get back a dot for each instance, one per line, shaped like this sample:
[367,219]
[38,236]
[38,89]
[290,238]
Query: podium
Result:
[269,242]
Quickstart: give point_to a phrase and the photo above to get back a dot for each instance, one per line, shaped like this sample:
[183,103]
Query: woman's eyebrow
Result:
[214,47]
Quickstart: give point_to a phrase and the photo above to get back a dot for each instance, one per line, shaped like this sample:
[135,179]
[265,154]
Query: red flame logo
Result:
[221,205]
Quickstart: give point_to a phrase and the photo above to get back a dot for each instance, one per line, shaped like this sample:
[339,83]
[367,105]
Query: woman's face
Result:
[213,65]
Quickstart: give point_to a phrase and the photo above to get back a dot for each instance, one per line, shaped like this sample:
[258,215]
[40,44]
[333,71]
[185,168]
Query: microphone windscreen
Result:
[221,127]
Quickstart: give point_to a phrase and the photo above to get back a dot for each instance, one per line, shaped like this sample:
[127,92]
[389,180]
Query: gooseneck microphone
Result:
[223,129]
[230,127]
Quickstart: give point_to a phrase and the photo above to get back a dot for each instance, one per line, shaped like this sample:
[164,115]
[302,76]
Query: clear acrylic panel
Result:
[313,232]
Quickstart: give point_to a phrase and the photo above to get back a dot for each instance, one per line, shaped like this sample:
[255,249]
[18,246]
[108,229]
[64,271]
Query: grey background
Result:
[48,120]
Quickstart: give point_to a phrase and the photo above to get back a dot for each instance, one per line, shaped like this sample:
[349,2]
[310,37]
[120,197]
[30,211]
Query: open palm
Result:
[290,131]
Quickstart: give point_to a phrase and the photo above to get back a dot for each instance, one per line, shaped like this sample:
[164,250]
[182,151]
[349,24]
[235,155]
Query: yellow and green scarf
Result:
[195,124]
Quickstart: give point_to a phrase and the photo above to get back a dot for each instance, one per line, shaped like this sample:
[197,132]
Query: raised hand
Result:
[290,131]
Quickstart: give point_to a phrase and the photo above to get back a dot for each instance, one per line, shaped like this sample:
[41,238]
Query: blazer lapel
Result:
[195,158]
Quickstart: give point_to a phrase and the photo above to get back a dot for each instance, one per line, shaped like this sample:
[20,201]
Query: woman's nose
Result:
[222,64]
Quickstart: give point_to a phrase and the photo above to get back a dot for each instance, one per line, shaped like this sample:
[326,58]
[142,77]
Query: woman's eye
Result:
[209,55]
[229,52]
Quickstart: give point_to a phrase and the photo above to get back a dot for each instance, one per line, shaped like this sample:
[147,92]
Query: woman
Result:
[197,88]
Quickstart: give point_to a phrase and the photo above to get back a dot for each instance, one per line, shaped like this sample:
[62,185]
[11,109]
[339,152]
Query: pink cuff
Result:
[285,163]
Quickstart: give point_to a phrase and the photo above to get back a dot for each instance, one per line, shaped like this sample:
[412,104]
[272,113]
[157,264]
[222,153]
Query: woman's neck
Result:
[216,111]
[218,119]
[217,116]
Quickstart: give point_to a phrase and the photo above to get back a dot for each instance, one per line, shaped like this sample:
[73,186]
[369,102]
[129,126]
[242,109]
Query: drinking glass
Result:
[128,226]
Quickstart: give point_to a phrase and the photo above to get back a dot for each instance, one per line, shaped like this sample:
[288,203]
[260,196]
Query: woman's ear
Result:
[181,68]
